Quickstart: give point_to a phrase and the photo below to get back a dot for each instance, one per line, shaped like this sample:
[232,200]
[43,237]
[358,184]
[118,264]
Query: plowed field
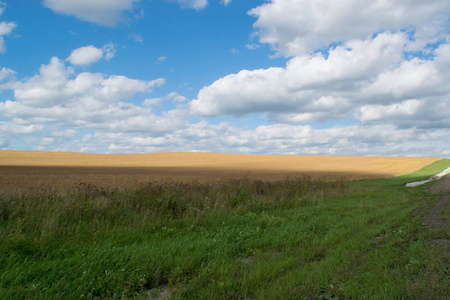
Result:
[22,171]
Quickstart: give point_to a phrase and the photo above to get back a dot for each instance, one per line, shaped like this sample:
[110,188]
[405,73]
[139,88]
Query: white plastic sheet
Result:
[432,178]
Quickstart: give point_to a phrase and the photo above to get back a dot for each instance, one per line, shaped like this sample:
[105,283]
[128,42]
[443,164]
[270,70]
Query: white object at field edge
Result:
[432,178]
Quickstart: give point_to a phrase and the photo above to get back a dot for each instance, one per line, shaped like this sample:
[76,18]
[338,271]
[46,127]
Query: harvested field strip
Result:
[390,166]
[29,179]
[29,171]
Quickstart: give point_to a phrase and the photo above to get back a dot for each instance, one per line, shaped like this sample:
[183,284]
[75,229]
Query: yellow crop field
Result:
[30,170]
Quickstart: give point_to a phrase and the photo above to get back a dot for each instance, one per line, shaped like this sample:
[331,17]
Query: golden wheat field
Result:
[22,171]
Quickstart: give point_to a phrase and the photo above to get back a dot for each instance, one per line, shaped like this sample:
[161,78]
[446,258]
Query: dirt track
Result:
[434,217]
[442,185]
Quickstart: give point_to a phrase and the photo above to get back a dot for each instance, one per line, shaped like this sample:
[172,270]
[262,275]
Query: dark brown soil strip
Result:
[434,218]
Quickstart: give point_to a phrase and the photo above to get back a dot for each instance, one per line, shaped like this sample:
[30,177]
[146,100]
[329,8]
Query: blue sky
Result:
[243,76]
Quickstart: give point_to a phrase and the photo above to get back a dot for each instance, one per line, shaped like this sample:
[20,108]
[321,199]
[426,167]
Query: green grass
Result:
[289,239]
[422,174]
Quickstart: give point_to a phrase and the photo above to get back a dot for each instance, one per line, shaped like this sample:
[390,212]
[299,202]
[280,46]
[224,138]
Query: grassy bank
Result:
[293,239]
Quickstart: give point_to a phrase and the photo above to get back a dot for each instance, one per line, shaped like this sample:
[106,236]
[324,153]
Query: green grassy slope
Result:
[291,239]
[422,174]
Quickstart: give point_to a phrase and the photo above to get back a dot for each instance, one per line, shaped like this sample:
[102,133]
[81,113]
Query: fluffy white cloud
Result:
[361,74]
[175,97]
[85,55]
[111,12]
[313,83]
[369,79]
[88,114]
[90,54]
[54,87]
[44,89]
[377,112]
[226,2]
[15,129]
[299,27]
[109,50]
[414,78]
[6,28]
[107,13]
[57,105]
[6,73]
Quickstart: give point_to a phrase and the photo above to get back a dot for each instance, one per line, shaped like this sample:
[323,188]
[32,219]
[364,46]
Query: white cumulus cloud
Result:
[57,104]
[54,87]
[298,27]
[365,80]
[348,61]
[85,55]
[6,73]
[376,112]
[6,28]
[306,83]
[107,13]
[90,54]
[109,50]
[173,96]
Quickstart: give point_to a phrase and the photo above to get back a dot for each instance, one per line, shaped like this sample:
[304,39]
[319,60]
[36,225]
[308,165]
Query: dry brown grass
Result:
[22,170]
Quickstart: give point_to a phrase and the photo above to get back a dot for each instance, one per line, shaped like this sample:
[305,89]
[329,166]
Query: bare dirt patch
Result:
[441,186]
[435,218]
[161,293]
